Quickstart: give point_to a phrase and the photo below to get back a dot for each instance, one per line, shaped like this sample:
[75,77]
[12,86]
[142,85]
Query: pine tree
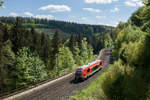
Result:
[72,42]
[7,61]
[56,45]
[17,36]
[35,41]
[80,40]
[1,37]
[6,33]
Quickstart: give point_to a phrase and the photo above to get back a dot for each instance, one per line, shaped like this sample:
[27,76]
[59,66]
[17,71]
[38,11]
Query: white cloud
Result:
[13,14]
[100,17]
[134,3]
[44,16]
[92,10]
[28,14]
[114,10]
[99,1]
[55,8]
[131,4]
[140,3]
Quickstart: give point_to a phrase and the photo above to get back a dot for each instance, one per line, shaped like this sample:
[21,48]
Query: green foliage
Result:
[29,69]
[65,59]
[123,82]
[108,41]
[146,2]
[76,53]
[84,52]
[128,34]
[90,53]
[7,61]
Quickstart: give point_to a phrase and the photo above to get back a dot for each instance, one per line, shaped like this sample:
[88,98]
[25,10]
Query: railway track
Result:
[64,86]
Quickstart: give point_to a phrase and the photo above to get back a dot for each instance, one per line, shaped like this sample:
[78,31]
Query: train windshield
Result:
[79,71]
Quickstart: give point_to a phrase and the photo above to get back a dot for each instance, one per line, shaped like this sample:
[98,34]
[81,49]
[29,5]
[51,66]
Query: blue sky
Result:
[106,12]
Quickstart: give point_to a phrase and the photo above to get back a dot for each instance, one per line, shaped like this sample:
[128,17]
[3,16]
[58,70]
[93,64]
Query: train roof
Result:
[89,64]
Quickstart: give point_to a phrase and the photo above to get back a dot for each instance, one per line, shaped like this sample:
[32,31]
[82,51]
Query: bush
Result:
[124,82]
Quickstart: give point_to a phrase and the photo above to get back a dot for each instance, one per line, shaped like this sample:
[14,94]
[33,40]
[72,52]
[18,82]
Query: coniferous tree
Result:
[80,40]
[72,43]
[35,41]
[17,36]
[6,34]
[1,37]
[7,61]
[56,45]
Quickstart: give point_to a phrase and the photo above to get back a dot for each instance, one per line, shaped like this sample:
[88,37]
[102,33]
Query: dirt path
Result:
[63,87]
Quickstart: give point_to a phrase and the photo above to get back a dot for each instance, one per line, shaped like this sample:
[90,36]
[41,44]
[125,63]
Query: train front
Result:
[78,74]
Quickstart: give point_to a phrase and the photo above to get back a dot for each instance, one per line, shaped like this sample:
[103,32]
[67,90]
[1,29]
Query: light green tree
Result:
[84,52]
[108,41]
[90,53]
[28,69]
[65,59]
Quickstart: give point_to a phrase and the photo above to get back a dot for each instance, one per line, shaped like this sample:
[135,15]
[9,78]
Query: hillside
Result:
[49,26]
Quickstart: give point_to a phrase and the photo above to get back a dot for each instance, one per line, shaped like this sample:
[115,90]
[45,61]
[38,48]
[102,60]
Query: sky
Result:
[99,12]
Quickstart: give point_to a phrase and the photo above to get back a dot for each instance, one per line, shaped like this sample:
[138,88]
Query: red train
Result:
[86,70]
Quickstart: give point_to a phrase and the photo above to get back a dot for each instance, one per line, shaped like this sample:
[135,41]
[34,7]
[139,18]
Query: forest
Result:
[66,27]
[29,57]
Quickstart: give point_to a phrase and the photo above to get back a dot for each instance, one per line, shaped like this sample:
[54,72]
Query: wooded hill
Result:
[65,27]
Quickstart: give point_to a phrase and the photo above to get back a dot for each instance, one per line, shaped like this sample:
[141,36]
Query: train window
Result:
[79,71]
[100,63]
[95,67]
[88,70]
